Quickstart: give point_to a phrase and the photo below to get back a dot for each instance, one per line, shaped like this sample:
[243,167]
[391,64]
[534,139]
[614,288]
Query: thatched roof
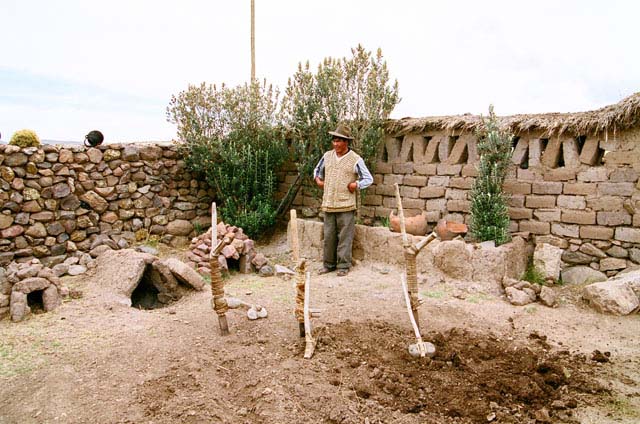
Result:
[620,116]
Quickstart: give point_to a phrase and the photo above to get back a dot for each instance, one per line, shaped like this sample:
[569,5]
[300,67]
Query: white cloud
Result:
[130,56]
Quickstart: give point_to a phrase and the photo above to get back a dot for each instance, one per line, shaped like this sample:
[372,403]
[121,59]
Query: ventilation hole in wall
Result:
[543,145]
[560,156]
[385,154]
[514,142]
[580,140]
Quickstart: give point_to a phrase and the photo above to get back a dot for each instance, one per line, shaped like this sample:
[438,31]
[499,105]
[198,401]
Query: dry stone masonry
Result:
[56,200]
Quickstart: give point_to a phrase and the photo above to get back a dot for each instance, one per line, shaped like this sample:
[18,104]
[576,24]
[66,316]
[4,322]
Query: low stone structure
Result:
[241,251]
[27,287]
[56,200]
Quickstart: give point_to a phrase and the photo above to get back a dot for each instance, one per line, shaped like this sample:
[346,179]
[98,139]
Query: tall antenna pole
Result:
[253,40]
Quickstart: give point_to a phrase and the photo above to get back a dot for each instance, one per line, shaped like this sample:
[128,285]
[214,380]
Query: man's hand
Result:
[352,186]
[320,182]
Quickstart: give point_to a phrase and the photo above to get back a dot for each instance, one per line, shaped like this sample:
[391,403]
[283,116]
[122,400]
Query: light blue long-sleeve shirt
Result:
[364,176]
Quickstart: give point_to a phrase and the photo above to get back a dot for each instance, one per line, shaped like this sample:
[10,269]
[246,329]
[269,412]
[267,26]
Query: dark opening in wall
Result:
[543,145]
[34,301]
[580,141]
[145,295]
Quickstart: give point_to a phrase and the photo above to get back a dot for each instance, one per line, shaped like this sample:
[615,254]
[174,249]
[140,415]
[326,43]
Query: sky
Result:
[71,66]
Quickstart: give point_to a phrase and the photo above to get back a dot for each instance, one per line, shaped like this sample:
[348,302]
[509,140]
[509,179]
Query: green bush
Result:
[489,213]
[25,138]
[356,90]
[231,137]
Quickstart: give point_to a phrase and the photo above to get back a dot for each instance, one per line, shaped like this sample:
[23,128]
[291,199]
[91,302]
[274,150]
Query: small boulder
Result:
[612,297]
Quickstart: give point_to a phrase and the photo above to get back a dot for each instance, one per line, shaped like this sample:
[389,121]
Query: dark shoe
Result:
[342,272]
[325,270]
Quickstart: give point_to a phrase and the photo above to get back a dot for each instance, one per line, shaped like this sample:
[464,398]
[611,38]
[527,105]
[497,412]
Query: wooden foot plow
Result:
[410,282]
[303,311]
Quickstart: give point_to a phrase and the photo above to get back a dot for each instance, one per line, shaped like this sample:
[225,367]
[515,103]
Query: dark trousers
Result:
[339,228]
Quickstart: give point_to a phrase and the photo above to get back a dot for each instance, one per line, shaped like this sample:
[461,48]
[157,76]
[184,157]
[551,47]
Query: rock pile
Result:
[521,292]
[240,252]
[23,285]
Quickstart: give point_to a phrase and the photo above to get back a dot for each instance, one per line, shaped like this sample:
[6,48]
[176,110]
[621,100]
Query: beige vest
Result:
[337,175]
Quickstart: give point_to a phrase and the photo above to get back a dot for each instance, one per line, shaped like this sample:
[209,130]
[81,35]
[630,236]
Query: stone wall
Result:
[56,200]
[579,192]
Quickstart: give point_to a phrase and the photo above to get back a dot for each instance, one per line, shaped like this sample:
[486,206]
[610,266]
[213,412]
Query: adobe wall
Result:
[578,192]
[56,200]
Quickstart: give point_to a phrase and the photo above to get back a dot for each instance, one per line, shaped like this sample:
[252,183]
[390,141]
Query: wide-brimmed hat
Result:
[342,131]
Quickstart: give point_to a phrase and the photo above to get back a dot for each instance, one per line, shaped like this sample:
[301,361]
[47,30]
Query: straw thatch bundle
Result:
[612,118]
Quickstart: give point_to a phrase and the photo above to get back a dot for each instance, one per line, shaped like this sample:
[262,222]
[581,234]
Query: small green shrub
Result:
[25,138]
[533,275]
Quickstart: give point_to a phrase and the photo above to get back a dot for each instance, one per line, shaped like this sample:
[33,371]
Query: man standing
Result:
[339,173]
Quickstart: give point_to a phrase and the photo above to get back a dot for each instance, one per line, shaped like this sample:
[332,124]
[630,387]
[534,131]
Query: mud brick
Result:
[438,181]
[605,203]
[516,187]
[547,215]
[469,170]
[392,179]
[372,200]
[520,213]
[616,189]
[458,153]
[368,211]
[392,145]
[433,147]
[565,230]
[444,148]
[461,182]
[590,152]
[310,201]
[636,220]
[571,202]
[383,212]
[410,192]
[415,180]
[386,190]
[570,153]
[561,174]
[529,174]
[378,179]
[425,168]
[454,217]
[612,219]
[551,156]
[436,205]
[384,167]
[620,158]
[595,174]
[290,179]
[592,232]
[535,152]
[403,168]
[516,201]
[535,201]
[433,216]
[445,169]
[521,151]
[535,227]
[579,188]
[458,206]
[456,194]
[579,217]
[623,175]
[431,192]
[389,202]
[631,235]
[413,203]
[546,187]
[472,148]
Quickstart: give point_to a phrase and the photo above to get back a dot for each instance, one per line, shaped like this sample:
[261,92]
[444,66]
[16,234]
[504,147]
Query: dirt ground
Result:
[96,361]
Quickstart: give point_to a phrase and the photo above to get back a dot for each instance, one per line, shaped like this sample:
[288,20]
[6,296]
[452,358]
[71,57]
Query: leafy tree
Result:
[489,213]
[231,137]
[357,90]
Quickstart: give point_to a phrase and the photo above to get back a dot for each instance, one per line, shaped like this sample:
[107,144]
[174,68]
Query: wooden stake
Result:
[218,300]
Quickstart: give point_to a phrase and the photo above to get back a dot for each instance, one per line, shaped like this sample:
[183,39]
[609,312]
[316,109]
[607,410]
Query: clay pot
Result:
[415,225]
[448,230]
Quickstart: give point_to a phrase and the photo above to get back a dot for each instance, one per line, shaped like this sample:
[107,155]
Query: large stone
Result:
[612,297]
[548,296]
[453,259]
[18,306]
[184,273]
[492,263]
[179,227]
[50,298]
[518,297]
[31,284]
[547,260]
[576,257]
[94,200]
[582,274]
